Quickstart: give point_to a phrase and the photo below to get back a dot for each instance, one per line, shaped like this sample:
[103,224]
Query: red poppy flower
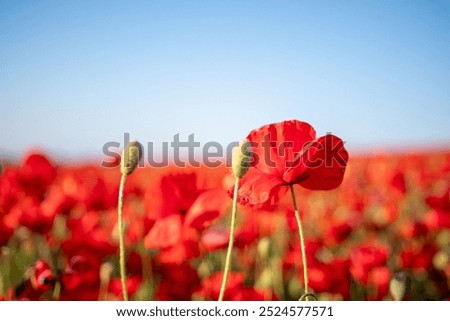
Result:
[365,258]
[175,193]
[206,208]
[417,256]
[133,284]
[378,280]
[39,279]
[180,213]
[332,277]
[11,189]
[37,174]
[81,278]
[165,233]
[289,153]
[293,259]
[5,232]
[186,249]
[235,290]
[338,233]
[177,282]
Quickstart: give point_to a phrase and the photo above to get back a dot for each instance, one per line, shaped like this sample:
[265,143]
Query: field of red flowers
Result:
[383,234]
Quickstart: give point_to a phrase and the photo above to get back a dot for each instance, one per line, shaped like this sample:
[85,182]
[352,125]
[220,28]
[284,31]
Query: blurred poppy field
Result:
[383,234]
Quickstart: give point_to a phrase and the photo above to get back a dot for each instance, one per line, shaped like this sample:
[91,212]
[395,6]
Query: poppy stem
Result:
[121,239]
[226,270]
[302,240]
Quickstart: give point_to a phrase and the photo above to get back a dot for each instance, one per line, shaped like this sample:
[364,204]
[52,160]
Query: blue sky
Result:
[75,75]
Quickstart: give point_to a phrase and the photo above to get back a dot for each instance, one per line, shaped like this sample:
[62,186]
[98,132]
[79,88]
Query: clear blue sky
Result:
[77,74]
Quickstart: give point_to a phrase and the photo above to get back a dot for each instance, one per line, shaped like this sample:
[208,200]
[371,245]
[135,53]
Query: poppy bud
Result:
[131,156]
[399,285]
[264,248]
[441,260]
[242,158]
[106,270]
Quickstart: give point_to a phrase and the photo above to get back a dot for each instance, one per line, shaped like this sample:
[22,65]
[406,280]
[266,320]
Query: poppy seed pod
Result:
[242,158]
[131,156]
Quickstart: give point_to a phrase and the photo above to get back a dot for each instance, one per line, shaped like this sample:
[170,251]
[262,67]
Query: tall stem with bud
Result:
[242,157]
[130,160]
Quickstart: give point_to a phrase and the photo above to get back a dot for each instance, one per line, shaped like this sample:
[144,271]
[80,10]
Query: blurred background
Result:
[75,75]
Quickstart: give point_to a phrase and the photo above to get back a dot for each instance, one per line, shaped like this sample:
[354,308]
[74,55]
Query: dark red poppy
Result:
[289,153]
[440,202]
[39,279]
[417,256]
[413,229]
[398,182]
[81,278]
[177,282]
[338,233]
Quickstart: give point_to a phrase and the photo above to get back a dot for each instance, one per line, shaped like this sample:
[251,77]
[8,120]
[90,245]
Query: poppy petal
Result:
[260,190]
[275,146]
[165,233]
[206,209]
[322,165]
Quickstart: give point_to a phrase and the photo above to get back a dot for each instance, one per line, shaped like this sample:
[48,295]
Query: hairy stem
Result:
[227,268]
[302,240]
[123,272]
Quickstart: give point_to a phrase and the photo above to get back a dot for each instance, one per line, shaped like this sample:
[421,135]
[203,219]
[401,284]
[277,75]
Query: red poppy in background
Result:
[180,213]
[289,153]
[177,282]
[236,290]
[366,258]
[133,284]
[39,279]
[37,174]
[378,281]
[81,278]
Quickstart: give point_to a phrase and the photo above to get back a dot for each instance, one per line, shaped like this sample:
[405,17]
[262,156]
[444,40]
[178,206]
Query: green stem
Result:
[123,273]
[302,240]
[226,270]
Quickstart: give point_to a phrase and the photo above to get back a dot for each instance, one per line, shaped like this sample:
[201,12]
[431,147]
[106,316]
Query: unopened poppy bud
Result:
[441,260]
[242,158]
[131,156]
[399,286]
[265,279]
[106,270]
[264,248]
